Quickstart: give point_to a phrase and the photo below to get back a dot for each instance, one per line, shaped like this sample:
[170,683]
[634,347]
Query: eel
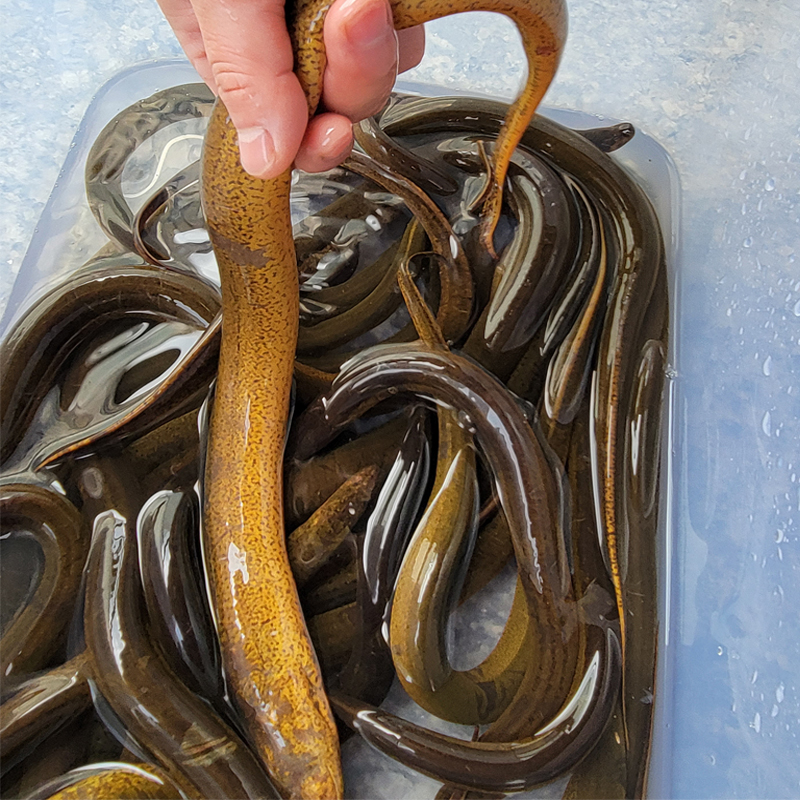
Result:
[170,563]
[423,172]
[314,542]
[543,28]
[367,314]
[602,774]
[425,590]
[344,296]
[394,511]
[637,273]
[516,458]
[455,283]
[115,144]
[274,674]
[369,672]
[569,369]
[335,590]
[502,766]
[639,244]
[42,705]
[334,632]
[609,138]
[169,229]
[313,480]
[36,633]
[311,544]
[66,318]
[577,665]
[166,721]
[64,749]
[120,780]
[270,662]
[529,271]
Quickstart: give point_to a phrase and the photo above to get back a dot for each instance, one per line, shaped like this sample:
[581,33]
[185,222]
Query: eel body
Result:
[266,650]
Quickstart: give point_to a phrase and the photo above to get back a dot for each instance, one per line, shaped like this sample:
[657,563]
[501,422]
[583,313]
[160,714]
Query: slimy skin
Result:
[343,297]
[637,237]
[267,654]
[200,753]
[42,705]
[312,543]
[120,138]
[119,780]
[502,766]
[369,671]
[542,25]
[311,482]
[167,530]
[456,283]
[424,591]
[37,631]
[380,147]
[568,371]
[374,309]
[636,283]
[74,311]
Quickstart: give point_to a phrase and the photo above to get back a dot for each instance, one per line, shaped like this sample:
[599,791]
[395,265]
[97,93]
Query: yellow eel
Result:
[116,779]
[268,658]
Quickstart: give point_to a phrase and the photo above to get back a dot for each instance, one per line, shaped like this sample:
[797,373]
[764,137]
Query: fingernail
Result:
[256,150]
[370,25]
[336,142]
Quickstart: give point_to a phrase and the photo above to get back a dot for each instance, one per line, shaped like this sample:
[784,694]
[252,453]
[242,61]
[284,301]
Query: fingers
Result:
[243,52]
[328,141]
[364,56]
[182,19]
[411,43]
[362,51]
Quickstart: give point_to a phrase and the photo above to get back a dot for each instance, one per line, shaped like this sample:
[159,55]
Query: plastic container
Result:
[67,236]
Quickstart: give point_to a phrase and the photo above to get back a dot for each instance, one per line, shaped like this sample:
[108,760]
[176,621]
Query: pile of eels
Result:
[236,509]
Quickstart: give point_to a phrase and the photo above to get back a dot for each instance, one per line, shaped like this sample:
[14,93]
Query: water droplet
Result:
[779,536]
[465,421]
[797,309]
[748,242]
[779,693]
[770,185]
[766,367]
[756,723]
[720,651]
[766,424]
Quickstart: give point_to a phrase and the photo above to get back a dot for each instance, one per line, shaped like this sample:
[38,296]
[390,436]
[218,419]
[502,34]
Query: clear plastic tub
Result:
[67,236]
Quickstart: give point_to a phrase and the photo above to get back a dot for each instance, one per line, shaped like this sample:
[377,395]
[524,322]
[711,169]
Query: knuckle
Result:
[233,83]
[195,50]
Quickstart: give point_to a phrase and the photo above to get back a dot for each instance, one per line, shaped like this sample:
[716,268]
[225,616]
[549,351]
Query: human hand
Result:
[242,50]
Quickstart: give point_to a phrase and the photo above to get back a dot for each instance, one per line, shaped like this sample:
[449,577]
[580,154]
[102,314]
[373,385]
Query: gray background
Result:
[716,83]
